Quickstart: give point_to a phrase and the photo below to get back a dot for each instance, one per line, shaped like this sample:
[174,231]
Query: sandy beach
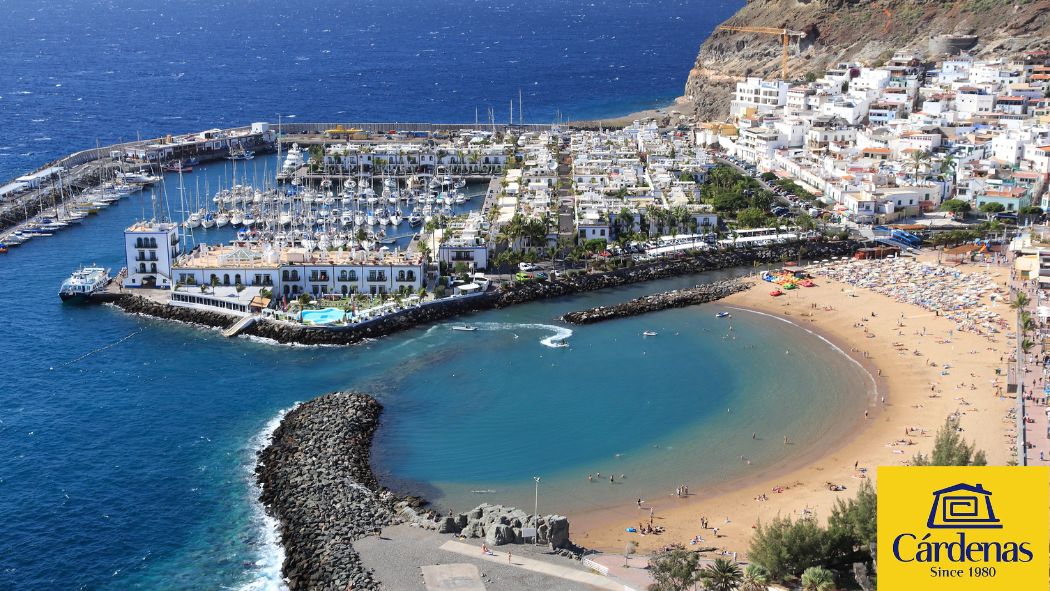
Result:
[834,310]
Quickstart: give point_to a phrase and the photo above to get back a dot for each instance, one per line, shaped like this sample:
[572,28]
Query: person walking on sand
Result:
[508,558]
[785,440]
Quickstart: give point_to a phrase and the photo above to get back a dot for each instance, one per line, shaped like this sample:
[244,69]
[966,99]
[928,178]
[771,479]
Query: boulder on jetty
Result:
[678,298]
[498,525]
[317,481]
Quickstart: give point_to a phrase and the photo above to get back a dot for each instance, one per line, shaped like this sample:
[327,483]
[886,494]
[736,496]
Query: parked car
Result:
[523,276]
[542,276]
[526,267]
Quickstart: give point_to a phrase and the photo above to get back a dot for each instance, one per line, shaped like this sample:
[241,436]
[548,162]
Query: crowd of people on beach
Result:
[945,291]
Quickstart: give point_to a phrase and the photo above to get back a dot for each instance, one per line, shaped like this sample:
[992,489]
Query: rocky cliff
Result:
[852,30]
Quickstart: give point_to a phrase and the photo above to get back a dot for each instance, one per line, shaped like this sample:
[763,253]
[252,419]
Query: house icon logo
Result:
[963,507]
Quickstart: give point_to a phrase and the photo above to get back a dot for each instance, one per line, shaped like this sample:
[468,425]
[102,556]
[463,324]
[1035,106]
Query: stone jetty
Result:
[287,333]
[317,482]
[678,298]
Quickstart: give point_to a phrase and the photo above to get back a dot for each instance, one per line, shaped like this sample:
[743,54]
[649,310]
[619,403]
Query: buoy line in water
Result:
[97,350]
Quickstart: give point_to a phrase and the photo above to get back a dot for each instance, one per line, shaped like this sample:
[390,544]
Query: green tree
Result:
[857,517]
[956,206]
[992,207]
[674,570]
[949,449]
[816,578]
[729,201]
[752,218]
[723,575]
[1027,213]
[784,547]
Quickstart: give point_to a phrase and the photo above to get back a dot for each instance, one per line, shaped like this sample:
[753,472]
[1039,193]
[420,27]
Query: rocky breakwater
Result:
[136,304]
[317,482]
[498,525]
[678,298]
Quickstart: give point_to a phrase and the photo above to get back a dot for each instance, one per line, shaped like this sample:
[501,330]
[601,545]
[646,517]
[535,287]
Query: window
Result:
[237,279]
[286,290]
[138,242]
[353,275]
[153,267]
[372,276]
[226,279]
[411,275]
[344,290]
[400,275]
[313,275]
[142,267]
[342,277]
[153,243]
[603,232]
[258,280]
[284,275]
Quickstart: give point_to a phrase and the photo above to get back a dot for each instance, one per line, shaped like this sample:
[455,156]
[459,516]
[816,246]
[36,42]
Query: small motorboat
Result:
[776,292]
[563,343]
[723,315]
[465,327]
[649,333]
[177,166]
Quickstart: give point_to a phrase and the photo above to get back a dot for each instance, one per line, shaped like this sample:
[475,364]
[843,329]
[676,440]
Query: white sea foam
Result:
[271,553]
[874,385]
[560,332]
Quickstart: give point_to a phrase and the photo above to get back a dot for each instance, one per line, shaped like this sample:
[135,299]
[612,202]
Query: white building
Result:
[760,95]
[150,249]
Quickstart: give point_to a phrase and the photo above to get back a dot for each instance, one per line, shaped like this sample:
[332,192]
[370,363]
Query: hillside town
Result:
[874,143]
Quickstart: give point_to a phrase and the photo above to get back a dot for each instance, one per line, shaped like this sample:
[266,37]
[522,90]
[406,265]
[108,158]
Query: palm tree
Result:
[1027,345]
[499,261]
[755,578]
[625,219]
[816,578]
[723,575]
[917,160]
[552,253]
[1020,301]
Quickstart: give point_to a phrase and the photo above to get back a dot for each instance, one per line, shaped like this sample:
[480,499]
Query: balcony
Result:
[380,277]
[152,259]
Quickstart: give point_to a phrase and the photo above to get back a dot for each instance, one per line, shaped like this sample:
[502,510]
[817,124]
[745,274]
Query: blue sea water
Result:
[74,72]
[131,468]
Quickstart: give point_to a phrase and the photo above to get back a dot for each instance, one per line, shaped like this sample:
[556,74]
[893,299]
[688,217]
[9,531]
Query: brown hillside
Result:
[853,30]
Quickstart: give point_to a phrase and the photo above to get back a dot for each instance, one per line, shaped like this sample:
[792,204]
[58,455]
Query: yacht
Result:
[240,154]
[194,221]
[207,221]
[84,283]
[416,219]
[221,220]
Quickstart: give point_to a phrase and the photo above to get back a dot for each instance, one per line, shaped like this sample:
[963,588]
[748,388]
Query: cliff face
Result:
[852,30]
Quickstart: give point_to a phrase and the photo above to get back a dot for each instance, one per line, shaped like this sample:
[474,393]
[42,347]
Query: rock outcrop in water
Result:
[678,298]
[852,30]
[317,482]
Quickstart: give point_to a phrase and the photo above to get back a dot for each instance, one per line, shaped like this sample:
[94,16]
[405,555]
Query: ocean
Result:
[74,73]
[127,444]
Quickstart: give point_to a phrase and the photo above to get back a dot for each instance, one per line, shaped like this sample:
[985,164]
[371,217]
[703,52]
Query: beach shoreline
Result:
[902,378]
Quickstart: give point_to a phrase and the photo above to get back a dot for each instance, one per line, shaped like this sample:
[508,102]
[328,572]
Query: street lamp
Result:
[536,510]
[536,507]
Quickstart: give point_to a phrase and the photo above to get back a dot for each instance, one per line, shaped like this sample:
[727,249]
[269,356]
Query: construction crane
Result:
[787,34]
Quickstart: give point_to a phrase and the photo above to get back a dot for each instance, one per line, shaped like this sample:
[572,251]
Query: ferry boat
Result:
[84,283]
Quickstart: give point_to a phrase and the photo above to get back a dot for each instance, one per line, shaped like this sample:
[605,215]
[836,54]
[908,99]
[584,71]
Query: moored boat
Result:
[84,283]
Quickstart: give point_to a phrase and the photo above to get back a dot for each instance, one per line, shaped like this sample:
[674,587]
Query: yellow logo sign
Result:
[959,528]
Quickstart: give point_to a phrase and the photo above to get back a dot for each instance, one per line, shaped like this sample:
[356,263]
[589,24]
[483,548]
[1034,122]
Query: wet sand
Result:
[905,381]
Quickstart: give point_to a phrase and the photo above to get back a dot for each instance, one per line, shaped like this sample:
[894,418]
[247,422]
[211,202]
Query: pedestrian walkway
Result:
[449,577]
[553,570]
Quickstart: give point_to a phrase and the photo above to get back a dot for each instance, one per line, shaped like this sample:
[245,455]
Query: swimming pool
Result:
[326,316]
